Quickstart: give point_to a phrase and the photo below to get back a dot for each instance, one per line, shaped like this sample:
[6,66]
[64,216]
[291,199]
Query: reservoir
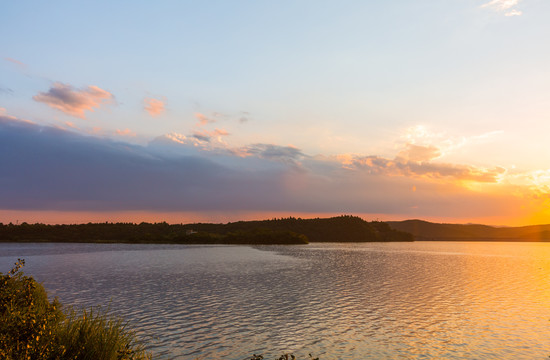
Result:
[417,300]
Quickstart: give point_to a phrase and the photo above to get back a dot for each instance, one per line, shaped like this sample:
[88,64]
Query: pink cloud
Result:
[73,101]
[203,119]
[125,132]
[154,107]
[16,62]
[4,115]
[206,135]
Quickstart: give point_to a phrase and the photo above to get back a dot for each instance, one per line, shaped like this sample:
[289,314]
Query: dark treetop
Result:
[276,231]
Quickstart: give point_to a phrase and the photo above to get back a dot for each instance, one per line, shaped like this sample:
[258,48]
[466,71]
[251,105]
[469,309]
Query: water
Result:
[421,300]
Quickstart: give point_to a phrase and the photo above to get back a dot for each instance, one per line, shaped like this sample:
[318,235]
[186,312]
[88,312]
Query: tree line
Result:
[289,230]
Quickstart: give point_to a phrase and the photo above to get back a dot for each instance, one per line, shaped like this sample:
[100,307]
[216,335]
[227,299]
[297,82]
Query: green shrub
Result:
[32,328]
[28,321]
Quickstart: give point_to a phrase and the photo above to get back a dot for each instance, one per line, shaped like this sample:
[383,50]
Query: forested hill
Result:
[335,229]
[276,231]
[423,230]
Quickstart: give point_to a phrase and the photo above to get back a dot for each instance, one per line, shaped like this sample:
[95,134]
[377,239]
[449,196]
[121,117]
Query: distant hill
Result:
[343,228]
[424,230]
[276,231]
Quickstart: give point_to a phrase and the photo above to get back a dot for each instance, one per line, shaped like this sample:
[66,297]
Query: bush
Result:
[31,327]
[282,357]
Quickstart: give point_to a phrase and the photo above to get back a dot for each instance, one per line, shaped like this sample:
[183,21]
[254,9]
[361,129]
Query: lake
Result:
[419,300]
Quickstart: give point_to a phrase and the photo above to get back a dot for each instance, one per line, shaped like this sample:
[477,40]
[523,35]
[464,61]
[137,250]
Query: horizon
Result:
[220,112]
[233,220]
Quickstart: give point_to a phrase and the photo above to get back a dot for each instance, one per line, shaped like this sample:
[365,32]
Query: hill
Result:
[424,230]
[276,231]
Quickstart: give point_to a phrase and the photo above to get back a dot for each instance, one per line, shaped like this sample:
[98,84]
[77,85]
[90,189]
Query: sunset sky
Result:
[226,110]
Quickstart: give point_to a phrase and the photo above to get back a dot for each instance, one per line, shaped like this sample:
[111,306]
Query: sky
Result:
[216,111]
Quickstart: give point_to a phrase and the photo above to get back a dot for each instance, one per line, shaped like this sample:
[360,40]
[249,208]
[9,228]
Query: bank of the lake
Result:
[285,231]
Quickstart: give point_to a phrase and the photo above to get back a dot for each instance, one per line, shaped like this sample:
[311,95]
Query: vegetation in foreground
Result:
[33,328]
[282,357]
[285,231]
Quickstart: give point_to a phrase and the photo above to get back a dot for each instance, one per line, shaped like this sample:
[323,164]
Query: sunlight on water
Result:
[422,300]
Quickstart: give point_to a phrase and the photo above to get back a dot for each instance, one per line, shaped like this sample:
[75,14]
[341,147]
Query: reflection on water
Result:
[422,300]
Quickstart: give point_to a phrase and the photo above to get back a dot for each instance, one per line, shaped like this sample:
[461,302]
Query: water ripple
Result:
[356,301]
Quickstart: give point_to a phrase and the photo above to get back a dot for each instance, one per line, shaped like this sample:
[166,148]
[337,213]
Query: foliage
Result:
[32,328]
[275,231]
[282,357]
[92,335]
[28,322]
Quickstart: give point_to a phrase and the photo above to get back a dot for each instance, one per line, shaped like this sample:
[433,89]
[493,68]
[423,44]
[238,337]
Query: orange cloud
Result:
[73,101]
[415,168]
[418,153]
[154,107]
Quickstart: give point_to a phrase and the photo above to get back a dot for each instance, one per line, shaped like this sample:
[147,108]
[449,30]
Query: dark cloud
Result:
[47,168]
[207,136]
[271,152]
[4,90]
[201,137]
[244,117]
[50,168]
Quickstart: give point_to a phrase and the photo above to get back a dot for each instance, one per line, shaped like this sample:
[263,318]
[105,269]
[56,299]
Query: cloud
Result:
[73,101]
[422,138]
[16,62]
[506,6]
[418,153]
[6,91]
[423,169]
[244,117]
[514,13]
[501,4]
[70,124]
[125,132]
[48,168]
[203,119]
[207,136]
[154,107]
[4,116]
[270,151]
[176,137]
